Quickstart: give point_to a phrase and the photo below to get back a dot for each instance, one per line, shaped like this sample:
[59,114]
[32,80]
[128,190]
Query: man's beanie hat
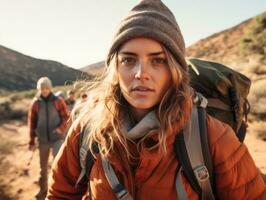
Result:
[151,19]
[44,82]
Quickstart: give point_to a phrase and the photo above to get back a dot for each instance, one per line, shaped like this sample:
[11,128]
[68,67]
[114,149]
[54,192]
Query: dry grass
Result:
[254,40]
[258,128]
[254,68]
[13,109]
[5,147]
[257,99]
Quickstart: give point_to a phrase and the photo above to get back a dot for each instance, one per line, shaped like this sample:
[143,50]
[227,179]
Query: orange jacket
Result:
[236,175]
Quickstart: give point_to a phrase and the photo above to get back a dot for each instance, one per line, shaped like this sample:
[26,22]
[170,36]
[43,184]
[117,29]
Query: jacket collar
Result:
[135,131]
[50,97]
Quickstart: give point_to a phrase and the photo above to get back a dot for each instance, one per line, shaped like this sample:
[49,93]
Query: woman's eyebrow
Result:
[134,54]
[156,53]
[127,53]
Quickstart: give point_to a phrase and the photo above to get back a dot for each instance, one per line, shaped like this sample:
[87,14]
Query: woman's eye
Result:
[128,61]
[159,61]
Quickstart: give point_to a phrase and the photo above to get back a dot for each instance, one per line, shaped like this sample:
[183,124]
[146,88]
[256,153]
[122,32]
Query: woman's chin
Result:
[143,106]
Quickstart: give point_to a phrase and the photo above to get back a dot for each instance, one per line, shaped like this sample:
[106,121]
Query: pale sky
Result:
[79,32]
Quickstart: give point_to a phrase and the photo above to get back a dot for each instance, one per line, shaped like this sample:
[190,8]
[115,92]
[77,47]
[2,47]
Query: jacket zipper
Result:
[47,121]
[135,184]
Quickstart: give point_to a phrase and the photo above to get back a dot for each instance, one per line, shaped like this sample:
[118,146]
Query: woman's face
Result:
[143,72]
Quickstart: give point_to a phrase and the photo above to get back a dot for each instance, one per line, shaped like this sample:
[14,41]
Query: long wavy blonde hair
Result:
[102,113]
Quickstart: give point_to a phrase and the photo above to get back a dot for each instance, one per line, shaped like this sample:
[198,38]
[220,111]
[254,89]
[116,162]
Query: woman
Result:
[143,102]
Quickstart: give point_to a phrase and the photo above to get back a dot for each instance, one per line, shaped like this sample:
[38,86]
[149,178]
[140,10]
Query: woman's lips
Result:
[142,89]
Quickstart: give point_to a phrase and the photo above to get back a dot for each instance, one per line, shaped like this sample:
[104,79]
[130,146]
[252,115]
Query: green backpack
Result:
[220,92]
[226,91]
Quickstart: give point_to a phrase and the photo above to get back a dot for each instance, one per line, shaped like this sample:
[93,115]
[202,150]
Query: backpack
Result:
[226,91]
[219,91]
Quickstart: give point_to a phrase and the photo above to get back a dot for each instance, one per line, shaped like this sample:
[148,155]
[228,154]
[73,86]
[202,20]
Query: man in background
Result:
[47,121]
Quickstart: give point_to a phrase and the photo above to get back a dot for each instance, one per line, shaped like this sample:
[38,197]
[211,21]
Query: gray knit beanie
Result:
[44,82]
[151,19]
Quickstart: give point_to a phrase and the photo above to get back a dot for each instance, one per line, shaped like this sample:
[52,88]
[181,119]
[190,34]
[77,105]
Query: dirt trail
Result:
[18,177]
[19,181]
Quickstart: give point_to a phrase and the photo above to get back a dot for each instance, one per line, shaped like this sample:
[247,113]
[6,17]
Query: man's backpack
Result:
[219,91]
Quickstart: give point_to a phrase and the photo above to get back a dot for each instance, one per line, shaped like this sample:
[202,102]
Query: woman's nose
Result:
[142,71]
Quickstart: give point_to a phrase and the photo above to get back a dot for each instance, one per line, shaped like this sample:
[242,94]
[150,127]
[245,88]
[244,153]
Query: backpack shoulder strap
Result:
[57,101]
[119,190]
[192,150]
[35,103]
[85,156]
[86,163]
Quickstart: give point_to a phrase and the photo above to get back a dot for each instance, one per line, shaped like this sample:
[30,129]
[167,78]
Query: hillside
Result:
[243,47]
[21,72]
[94,69]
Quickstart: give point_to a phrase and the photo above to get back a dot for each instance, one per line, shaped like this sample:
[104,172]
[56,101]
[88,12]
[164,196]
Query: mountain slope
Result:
[21,72]
[94,69]
[242,46]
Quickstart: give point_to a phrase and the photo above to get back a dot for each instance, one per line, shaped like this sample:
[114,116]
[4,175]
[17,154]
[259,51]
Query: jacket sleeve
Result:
[32,121]
[236,175]
[64,114]
[66,170]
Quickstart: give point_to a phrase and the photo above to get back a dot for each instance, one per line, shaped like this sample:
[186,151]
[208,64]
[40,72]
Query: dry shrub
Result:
[12,110]
[6,147]
[255,65]
[258,69]
[257,99]
[258,128]
[254,41]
